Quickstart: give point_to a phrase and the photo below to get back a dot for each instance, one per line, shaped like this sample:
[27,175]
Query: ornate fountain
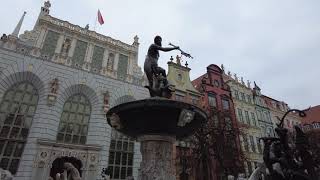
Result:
[286,161]
[156,122]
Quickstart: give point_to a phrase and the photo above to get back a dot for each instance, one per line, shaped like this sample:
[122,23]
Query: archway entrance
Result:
[57,165]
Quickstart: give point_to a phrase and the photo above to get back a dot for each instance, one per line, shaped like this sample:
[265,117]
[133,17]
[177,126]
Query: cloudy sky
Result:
[275,43]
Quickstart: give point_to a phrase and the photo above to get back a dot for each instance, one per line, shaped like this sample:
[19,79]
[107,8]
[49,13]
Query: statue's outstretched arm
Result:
[165,49]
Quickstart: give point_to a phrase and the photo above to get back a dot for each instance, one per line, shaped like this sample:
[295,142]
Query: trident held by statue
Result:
[182,52]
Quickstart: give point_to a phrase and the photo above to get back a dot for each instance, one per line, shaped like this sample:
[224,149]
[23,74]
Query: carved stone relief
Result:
[52,96]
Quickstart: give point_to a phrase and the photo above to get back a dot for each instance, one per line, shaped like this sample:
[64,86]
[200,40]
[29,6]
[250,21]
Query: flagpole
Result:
[95,23]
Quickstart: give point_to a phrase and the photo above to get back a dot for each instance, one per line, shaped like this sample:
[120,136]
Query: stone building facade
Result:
[242,96]
[57,81]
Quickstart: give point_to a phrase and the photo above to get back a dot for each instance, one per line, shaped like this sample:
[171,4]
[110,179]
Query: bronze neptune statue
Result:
[158,84]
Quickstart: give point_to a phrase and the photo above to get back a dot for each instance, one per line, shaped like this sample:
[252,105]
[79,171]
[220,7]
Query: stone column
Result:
[59,44]
[89,54]
[157,162]
[72,47]
[105,58]
[116,61]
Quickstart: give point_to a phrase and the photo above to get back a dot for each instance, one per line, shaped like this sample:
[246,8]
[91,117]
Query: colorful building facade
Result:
[250,130]
[220,109]
[278,109]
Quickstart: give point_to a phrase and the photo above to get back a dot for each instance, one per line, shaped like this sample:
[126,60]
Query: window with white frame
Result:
[74,121]
[240,116]
[253,117]
[246,114]
[253,147]
[17,109]
[120,156]
[225,104]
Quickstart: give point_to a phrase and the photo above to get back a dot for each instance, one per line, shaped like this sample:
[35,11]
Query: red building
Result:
[219,106]
[311,123]
[313,118]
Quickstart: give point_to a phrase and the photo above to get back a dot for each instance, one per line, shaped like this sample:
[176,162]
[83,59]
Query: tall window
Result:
[74,120]
[259,115]
[120,156]
[249,99]
[259,145]
[228,123]
[253,147]
[215,120]
[225,104]
[246,144]
[253,117]
[243,98]
[249,168]
[16,113]
[195,100]
[236,94]
[212,100]
[240,116]
[268,118]
[246,114]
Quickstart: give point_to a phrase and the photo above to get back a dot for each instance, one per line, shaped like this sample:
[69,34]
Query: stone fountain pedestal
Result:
[156,123]
[157,162]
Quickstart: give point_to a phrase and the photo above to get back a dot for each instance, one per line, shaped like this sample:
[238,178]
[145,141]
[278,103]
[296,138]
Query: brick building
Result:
[220,108]
[312,120]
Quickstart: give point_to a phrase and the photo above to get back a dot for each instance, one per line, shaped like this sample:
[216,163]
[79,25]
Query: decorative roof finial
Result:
[16,31]
[229,73]
[249,84]
[236,77]
[47,4]
[178,59]
[186,64]
[242,82]
[222,68]
[256,86]
[171,58]
[136,40]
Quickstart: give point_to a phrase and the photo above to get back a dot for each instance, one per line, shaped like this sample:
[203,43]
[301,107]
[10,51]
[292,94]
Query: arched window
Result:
[16,113]
[74,120]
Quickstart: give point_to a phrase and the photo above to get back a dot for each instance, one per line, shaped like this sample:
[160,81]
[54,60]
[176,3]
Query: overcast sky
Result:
[273,42]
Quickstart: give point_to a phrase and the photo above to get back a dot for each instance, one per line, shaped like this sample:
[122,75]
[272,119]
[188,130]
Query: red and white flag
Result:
[100,18]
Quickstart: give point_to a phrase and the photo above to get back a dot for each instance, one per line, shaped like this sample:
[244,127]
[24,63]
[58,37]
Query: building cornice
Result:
[86,33]
[89,147]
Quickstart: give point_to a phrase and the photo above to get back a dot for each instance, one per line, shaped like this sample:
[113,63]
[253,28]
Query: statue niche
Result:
[65,47]
[53,87]
[110,62]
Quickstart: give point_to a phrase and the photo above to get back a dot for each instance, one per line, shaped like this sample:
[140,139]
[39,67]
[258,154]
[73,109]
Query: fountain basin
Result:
[156,116]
